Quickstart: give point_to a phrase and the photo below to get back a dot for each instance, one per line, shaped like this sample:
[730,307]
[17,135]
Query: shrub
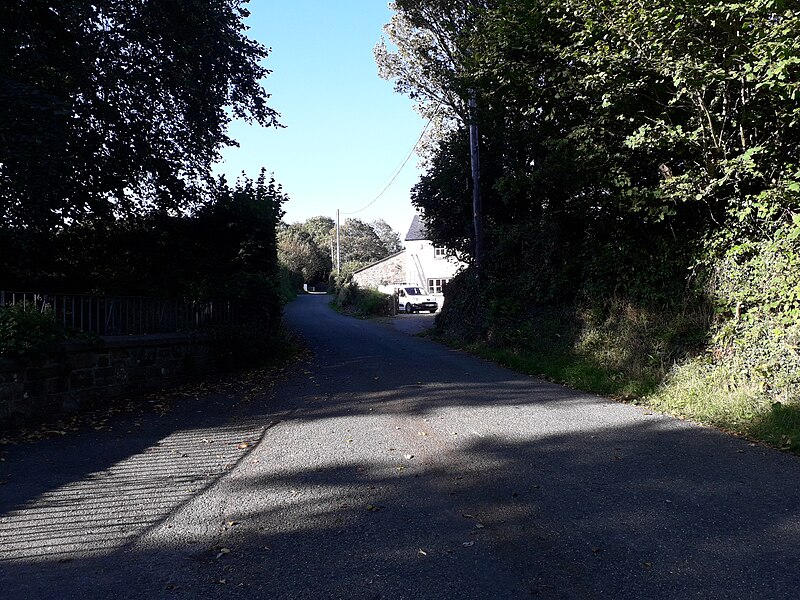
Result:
[253,344]
[464,314]
[291,282]
[372,302]
[361,301]
[757,291]
[27,331]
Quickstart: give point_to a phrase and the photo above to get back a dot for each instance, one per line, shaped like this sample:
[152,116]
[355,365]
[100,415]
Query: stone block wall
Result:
[78,375]
[389,270]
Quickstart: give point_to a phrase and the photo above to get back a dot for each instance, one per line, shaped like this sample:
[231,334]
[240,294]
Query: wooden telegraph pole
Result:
[475,159]
[338,251]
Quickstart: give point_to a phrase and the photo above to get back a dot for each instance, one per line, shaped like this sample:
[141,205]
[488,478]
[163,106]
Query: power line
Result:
[396,172]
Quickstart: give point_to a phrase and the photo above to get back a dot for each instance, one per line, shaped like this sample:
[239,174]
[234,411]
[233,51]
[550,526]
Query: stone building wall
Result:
[389,270]
[79,374]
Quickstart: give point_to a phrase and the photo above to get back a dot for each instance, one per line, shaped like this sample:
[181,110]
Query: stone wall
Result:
[79,375]
[387,271]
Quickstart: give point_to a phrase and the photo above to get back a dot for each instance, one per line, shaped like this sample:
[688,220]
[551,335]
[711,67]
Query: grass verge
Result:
[716,395]
[562,367]
[697,389]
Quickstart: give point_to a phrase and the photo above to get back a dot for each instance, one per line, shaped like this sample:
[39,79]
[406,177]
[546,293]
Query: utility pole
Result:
[338,250]
[475,159]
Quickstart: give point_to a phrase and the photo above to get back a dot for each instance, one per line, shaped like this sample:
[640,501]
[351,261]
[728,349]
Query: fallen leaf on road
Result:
[243,445]
[408,456]
[232,523]
[421,551]
[467,516]
[468,544]
[479,525]
[373,508]
[223,551]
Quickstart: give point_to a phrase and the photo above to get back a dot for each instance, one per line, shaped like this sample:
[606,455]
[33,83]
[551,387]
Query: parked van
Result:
[412,299]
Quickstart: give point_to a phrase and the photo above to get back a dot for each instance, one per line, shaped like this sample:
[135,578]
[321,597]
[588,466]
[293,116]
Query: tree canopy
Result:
[632,152]
[607,127]
[115,107]
[388,236]
[309,247]
[359,243]
[299,252]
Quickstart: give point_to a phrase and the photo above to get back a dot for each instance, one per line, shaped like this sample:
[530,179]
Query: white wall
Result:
[422,264]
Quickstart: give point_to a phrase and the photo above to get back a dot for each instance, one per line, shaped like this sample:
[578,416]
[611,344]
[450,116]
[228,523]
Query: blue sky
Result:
[346,131]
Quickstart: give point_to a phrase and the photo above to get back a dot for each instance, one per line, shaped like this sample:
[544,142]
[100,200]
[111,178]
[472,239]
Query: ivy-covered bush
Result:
[758,293]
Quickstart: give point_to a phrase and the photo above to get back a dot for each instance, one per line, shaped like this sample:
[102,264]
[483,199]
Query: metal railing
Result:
[126,315]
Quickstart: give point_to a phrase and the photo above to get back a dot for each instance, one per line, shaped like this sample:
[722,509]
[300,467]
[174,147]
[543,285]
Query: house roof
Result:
[417,230]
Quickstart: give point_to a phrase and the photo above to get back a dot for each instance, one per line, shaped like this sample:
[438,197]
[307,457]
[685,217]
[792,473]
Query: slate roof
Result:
[417,230]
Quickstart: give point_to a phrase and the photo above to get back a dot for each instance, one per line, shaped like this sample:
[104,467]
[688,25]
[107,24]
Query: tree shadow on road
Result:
[430,474]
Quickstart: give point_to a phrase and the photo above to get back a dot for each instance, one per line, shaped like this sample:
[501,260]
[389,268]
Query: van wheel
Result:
[408,309]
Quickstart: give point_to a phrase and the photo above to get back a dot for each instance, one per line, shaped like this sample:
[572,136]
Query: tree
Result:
[117,107]
[322,231]
[430,61]
[388,236]
[298,252]
[359,244]
[608,130]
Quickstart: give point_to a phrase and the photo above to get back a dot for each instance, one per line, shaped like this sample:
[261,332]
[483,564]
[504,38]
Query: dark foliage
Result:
[116,108]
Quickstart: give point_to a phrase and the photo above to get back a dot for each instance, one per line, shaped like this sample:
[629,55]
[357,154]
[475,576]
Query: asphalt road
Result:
[391,467]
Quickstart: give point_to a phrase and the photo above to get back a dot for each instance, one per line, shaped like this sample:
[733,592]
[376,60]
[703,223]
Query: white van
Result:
[412,299]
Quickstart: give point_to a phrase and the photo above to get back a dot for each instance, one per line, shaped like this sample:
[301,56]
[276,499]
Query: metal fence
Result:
[126,315]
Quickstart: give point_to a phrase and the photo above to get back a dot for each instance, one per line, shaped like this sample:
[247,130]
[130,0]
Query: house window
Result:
[436,286]
[439,252]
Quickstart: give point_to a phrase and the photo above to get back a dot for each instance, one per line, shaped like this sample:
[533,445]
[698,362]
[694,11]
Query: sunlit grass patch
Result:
[716,395]
[569,369]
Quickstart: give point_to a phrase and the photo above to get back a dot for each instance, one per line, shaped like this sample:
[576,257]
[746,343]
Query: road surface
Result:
[391,467]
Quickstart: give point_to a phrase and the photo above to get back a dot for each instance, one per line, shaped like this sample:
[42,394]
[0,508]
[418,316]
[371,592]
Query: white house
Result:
[428,266]
[420,264]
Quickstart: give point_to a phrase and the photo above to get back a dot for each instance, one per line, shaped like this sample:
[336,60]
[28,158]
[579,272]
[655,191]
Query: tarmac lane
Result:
[390,467]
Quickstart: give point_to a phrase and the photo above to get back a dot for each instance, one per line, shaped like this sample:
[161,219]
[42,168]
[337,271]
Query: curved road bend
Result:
[391,467]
